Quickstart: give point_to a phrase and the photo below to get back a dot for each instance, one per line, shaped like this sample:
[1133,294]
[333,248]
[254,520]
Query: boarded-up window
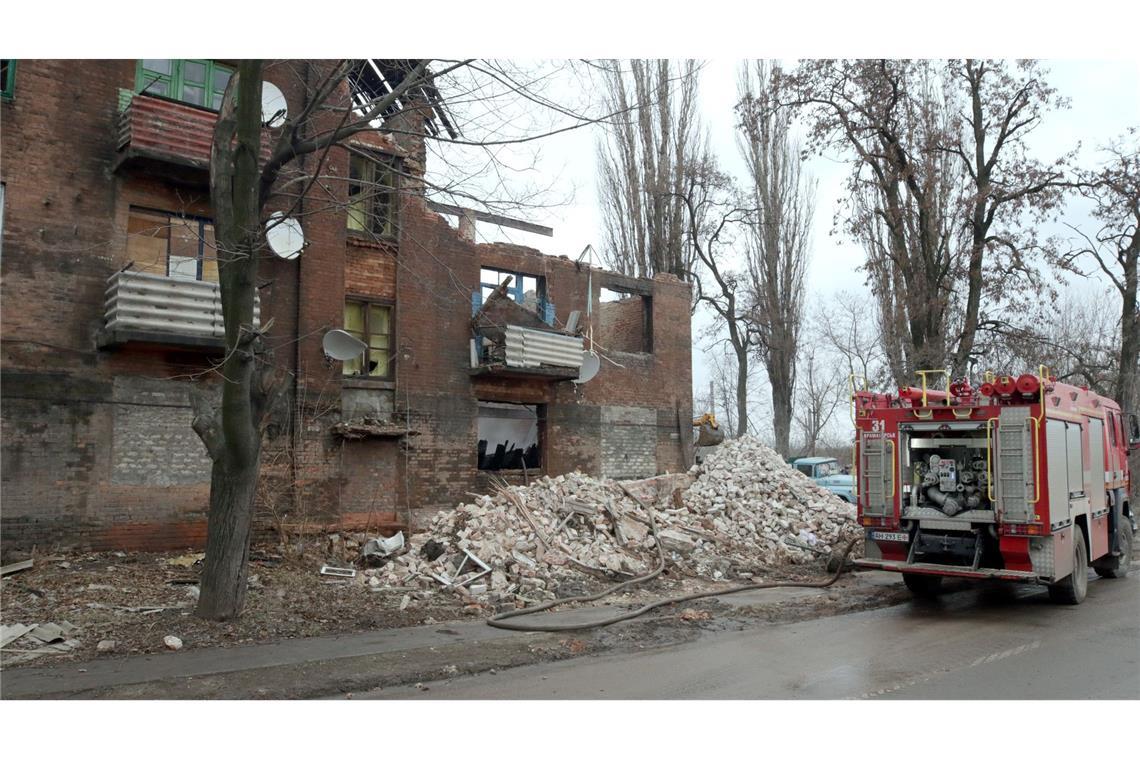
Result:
[172,245]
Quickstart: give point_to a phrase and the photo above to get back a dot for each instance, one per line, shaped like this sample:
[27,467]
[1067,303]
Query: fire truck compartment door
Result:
[1014,466]
[1095,476]
[878,476]
[1058,461]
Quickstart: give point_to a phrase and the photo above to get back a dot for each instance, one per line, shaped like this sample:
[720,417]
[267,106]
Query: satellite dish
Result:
[284,235]
[590,366]
[273,106]
[341,346]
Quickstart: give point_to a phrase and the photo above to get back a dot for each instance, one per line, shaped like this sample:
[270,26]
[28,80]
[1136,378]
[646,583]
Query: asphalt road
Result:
[985,642]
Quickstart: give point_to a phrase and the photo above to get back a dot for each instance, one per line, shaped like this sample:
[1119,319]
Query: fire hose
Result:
[501,620]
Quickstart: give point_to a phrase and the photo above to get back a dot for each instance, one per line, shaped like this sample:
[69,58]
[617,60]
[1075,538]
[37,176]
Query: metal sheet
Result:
[534,348]
[143,301]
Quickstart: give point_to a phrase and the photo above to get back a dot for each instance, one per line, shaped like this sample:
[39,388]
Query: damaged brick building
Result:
[110,314]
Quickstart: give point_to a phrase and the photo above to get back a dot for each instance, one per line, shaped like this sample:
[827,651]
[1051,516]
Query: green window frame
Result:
[198,82]
[8,78]
[370,322]
[372,183]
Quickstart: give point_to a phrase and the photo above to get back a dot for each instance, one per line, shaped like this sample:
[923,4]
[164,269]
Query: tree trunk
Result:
[233,436]
[224,571]
[781,414]
[741,391]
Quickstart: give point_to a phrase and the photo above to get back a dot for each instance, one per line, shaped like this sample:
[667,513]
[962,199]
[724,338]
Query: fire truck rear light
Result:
[1030,529]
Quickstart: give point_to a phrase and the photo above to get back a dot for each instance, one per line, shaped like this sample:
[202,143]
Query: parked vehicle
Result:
[1024,479]
[826,472]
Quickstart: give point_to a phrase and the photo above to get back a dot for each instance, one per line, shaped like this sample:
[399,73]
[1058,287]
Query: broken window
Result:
[527,290]
[624,322]
[201,83]
[372,195]
[372,324]
[509,436]
[181,247]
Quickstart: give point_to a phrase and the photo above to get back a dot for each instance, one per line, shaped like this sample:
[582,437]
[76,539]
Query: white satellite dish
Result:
[284,235]
[590,366]
[273,106]
[341,346]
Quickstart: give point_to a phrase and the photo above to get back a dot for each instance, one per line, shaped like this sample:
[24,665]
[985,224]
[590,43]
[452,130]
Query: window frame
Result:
[374,161]
[173,218]
[8,85]
[176,81]
[540,414]
[368,302]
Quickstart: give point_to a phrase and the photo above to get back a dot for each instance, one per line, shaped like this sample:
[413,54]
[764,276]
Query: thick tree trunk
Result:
[233,436]
[781,413]
[224,572]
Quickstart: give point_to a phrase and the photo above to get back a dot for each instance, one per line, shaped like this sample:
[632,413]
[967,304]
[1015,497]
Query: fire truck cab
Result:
[1022,479]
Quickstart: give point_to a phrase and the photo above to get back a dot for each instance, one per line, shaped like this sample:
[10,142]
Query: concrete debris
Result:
[383,547]
[727,519]
[106,646]
[172,642]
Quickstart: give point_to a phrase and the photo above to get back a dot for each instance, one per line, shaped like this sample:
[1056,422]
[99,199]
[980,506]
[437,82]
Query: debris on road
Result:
[172,642]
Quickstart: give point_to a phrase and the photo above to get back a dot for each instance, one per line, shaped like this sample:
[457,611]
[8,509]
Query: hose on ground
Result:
[500,620]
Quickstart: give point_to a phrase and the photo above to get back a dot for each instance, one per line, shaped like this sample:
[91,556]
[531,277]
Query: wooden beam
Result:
[483,216]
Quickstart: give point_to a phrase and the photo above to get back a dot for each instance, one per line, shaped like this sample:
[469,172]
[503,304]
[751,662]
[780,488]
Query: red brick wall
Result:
[620,325]
[76,419]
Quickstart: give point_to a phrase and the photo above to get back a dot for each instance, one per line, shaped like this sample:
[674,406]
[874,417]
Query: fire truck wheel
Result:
[1117,567]
[1073,588]
[922,585]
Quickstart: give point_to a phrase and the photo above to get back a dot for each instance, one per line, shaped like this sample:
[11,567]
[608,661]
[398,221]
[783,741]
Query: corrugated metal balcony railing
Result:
[152,308]
[168,131]
[535,348]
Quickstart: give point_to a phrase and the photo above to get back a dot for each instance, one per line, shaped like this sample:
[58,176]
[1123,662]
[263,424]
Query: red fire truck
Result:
[1023,479]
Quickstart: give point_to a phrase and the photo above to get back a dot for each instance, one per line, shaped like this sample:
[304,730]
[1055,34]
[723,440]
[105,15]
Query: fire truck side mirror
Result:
[1133,432]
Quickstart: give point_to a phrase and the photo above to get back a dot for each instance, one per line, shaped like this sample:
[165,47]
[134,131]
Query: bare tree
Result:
[784,199]
[716,217]
[1114,250]
[819,395]
[941,176]
[643,162]
[1006,102]
[243,186]
[845,328]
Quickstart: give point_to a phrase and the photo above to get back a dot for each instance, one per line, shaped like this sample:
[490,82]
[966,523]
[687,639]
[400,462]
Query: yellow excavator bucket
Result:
[708,431]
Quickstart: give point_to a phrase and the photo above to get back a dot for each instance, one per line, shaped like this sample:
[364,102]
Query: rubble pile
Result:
[730,518]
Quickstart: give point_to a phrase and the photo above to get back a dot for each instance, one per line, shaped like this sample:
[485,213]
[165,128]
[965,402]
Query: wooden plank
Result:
[16,567]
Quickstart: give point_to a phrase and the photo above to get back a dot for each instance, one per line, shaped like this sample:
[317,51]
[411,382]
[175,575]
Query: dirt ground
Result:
[138,599]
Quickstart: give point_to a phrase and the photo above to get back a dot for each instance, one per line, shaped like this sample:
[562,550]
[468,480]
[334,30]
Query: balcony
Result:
[524,352]
[159,134]
[151,308]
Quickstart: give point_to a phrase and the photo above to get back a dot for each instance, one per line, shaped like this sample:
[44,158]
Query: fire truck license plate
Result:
[882,535]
